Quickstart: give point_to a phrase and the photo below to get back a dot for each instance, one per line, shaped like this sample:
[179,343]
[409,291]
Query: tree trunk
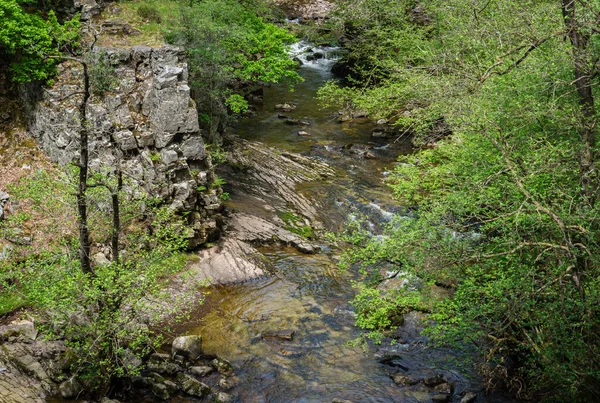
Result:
[116,229]
[84,232]
[587,119]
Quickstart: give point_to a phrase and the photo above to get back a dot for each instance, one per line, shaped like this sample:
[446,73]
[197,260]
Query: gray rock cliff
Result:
[146,124]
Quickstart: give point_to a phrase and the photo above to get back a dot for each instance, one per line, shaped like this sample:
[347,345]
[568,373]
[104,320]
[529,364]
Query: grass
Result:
[151,31]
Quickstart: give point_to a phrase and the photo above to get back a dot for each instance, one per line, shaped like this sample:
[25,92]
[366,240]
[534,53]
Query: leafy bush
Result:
[30,41]
[101,73]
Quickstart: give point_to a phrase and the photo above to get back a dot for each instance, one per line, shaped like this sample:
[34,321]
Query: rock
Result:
[382,122]
[201,371]
[18,236]
[148,123]
[228,383]
[404,380]
[285,107]
[297,122]
[131,361]
[70,388]
[192,386]
[88,8]
[107,400]
[395,361]
[160,390]
[171,387]
[434,380]
[303,133]
[125,140]
[257,230]
[4,197]
[223,397]
[440,397]
[162,364]
[5,251]
[168,156]
[18,328]
[279,334]
[168,77]
[256,97]
[118,27]
[193,149]
[444,388]
[291,352]
[100,259]
[338,400]
[221,365]
[229,261]
[469,397]
[187,346]
[32,366]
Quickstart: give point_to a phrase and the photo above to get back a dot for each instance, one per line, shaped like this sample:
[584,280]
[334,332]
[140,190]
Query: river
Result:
[307,294]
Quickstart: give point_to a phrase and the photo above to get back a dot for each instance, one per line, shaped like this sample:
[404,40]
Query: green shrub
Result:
[149,13]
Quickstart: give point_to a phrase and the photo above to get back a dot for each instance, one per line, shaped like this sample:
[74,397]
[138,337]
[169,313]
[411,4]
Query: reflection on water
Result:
[308,295]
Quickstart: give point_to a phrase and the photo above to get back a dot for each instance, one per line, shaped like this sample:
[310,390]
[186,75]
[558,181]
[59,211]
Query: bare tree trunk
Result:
[84,232]
[116,229]
[587,121]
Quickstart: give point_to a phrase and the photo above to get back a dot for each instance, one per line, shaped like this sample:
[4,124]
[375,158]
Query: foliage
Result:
[104,316]
[504,210]
[28,40]
[226,42]
[379,311]
[218,182]
[101,73]
[217,154]
[236,103]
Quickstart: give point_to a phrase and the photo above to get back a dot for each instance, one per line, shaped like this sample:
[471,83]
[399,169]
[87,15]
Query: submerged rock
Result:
[192,386]
[469,397]
[223,397]
[279,334]
[404,380]
[221,365]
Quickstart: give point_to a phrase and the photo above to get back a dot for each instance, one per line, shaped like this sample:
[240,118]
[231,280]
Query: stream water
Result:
[308,294]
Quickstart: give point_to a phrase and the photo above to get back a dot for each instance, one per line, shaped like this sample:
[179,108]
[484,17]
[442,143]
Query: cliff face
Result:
[146,124]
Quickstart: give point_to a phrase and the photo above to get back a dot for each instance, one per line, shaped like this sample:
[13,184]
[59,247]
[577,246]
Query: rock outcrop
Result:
[146,124]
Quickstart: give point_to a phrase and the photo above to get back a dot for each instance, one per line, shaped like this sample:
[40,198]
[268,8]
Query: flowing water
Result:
[308,294]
